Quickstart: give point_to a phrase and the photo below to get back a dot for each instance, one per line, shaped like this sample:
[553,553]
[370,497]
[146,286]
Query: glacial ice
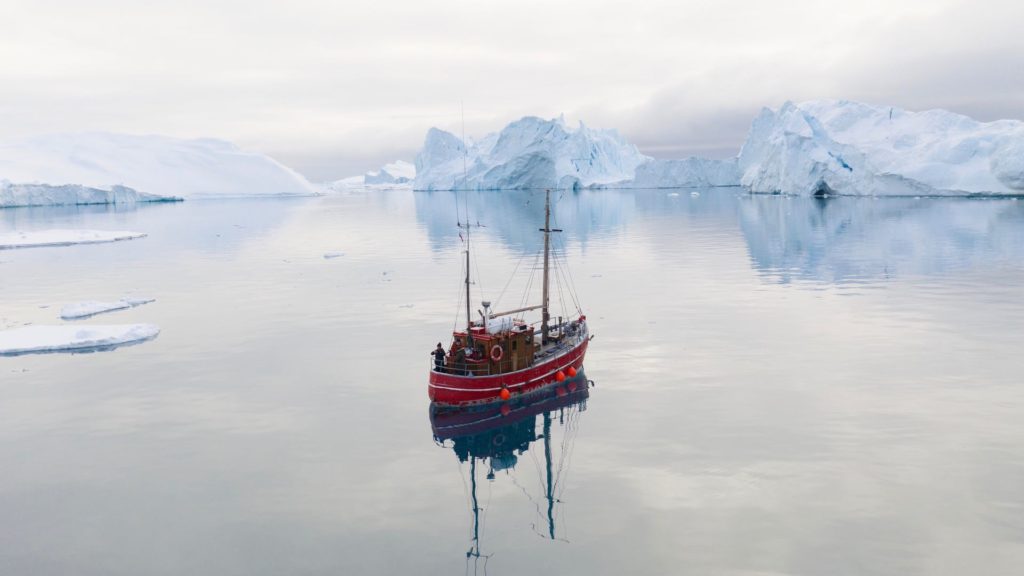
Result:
[397,172]
[72,338]
[157,165]
[80,310]
[690,172]
[14,195]
[38,238]
[528,153]
[850,148]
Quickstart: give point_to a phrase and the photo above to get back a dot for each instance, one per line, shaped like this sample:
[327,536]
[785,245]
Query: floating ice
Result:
[151,164]
[839,147]
[12,195]
[330,255]
[37,238]
[528,153]
[73,338]
[89,308]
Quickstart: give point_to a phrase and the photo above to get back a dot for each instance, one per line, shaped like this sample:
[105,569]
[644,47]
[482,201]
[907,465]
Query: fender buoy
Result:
[571,371]
[497,353]
[504,394]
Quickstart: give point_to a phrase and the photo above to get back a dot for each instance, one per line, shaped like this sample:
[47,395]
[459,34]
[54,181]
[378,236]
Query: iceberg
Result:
[38,238]
[16,195]
[80,310]
[69,338]
[398,172]
[692,172]
[157,165]
[841,147]
[528,153]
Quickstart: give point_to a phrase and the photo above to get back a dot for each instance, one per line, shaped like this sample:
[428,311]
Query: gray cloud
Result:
[337,88]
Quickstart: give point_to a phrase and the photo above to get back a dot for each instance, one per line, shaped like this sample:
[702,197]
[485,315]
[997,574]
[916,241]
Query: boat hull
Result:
[460,390]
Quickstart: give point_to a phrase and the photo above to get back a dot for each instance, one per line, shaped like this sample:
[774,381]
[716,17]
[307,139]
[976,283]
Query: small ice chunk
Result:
[80,310]
[694,194]
[72,338]
[38,238]
[329,255]
[673,194]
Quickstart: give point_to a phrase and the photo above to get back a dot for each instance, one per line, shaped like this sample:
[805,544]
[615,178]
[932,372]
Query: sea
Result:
[776,385]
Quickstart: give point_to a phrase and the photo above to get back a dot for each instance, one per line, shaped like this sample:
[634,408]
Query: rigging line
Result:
[568,271]
[513,275]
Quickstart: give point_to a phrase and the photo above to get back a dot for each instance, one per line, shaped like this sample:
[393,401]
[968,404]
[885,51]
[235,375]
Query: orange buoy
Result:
[560,391]
[571,372]
[560,376]
[505,409]
[572,386]
[505,394]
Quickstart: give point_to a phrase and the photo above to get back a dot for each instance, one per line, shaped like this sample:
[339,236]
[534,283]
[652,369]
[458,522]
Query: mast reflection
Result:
[495,436]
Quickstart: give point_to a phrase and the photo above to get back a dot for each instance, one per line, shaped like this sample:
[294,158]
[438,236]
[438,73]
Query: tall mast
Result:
[469,318]
[547,250]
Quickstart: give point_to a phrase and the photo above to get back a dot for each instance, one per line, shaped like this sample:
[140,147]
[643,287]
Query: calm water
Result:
[782,386]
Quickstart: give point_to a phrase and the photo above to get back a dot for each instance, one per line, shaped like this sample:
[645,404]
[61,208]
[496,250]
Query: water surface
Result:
[783,386]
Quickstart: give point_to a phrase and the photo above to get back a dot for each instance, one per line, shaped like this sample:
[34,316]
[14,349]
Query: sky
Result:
[335,88]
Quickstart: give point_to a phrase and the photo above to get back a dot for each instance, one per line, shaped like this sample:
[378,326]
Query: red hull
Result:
[454,389]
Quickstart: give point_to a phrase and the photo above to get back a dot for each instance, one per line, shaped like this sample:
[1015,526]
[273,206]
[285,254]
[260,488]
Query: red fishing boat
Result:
[502,355]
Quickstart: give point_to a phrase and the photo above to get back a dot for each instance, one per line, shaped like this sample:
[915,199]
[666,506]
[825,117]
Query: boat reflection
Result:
[495,436]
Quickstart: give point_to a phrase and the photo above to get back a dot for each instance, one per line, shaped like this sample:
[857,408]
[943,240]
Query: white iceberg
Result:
[14,195]
[528,153]
[690,172]
[842,147]
[80,310]
[37,238]
[73,338]
[151,164]
[398,172]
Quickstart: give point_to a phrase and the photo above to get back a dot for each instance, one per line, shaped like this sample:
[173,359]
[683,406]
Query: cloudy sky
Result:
[333,88]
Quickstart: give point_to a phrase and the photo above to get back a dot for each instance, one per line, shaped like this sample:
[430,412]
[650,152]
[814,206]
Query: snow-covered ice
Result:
[398,172]
[149,164]
[842,147]
[73,338]
[690,172]
[37,238]
[528,153]
[13,195]
[80,310]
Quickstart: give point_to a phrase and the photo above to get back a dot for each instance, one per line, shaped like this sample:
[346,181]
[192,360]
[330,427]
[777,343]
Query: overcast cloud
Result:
[335,88]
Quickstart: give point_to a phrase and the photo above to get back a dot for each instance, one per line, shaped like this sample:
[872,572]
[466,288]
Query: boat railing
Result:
[563,344]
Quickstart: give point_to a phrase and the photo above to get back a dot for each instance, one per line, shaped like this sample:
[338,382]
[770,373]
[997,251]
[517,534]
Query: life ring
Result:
[498,439]
[497,353]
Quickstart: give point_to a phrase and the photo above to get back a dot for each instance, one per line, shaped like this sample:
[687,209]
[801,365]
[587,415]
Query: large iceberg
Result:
[528,153]
[157,165]
[12,195]
[842,147]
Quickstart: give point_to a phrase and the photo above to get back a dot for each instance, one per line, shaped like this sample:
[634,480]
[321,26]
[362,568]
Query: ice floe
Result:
[73,338]
[80,310]
[17,195]
[60,237]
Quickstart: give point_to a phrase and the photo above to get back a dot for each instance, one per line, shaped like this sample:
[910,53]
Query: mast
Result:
[547,250]
[469,317]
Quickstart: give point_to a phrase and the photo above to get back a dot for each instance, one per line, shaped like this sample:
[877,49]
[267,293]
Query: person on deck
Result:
[438,358]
